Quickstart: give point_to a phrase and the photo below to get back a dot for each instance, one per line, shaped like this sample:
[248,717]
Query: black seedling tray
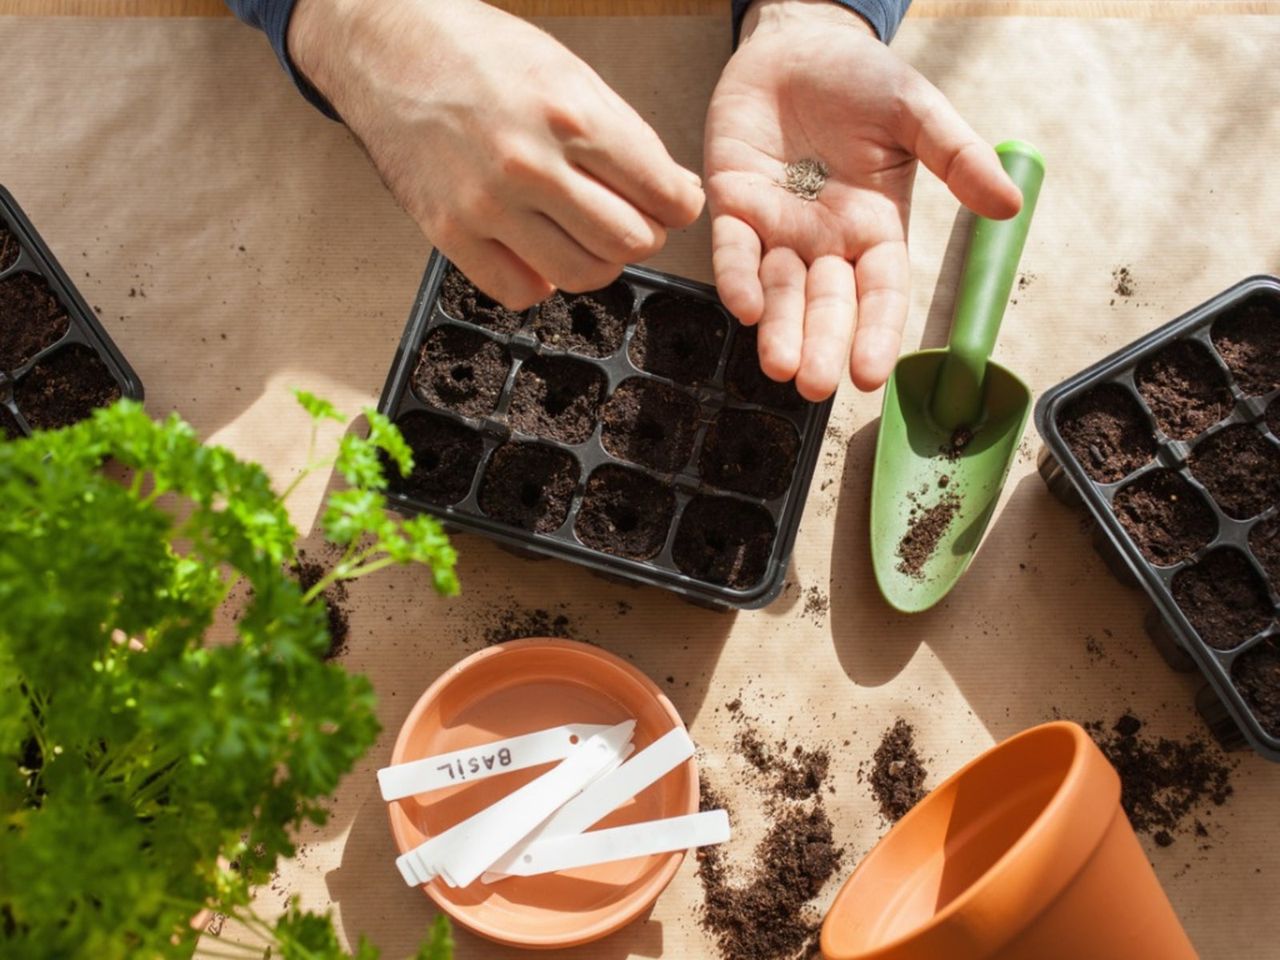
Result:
[32,269]
[749,536]
[1227,420]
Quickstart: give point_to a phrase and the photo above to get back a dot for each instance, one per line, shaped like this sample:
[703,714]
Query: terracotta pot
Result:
[1024,854]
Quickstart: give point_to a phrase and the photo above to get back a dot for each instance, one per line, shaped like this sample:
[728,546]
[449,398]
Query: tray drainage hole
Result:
[558,401]
[583,320]
[463,373]
[748,456]
[428,459]
[716,541]
[650,429]
[530,493]
[625,519]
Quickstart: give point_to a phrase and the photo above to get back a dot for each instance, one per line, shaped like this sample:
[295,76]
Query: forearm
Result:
[883,16]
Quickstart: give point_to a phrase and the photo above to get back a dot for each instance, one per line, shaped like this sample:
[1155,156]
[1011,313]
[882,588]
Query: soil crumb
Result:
[953,449]
[898,773]
[1122,282]
[805,178]
[309,572]
[816,605]
[797,773]
[1163,782]
[514,623]
[925,531]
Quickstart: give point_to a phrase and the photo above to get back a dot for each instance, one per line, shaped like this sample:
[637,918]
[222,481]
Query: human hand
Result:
[827,278]
[516,160]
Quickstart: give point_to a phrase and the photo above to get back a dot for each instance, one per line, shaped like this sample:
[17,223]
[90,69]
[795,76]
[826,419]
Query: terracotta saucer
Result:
[515,688]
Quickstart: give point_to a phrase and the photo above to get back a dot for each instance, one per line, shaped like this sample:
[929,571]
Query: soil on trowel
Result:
[650,423]
[925,529]
[529,485]
[309,572]
[1163,782]
[625,513]
[954,448]
[1107,432]
[745,380]
[1248,339]
[9,429]
[750,452]
[9,247]
[1165,516]
[1257,676]
[1224,598]
[65,387]
[461,370]
[460,299]
[1185,389]
[445,457]
[31,318]
[898,772]
[722,540]
[1264,541]
[1241,470]
[679,338]
[591,324]
[556,397]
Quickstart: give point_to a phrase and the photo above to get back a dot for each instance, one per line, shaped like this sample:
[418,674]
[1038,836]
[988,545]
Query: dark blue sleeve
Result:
[883,15]
[272,18]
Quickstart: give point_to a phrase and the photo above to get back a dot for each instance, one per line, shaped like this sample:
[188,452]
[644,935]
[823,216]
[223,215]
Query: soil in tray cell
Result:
[65,387]
[722,540]
[1185,389]
[556,397]
[1107,432]
[1248,339]
[445,457]
[746,381]
[625,513]
[749,452]
[461,370]
[529,485]
[650,423]
[9,247]
[31,318]
[1264,541]
[1273,417]
[1241,469]
[1224,598]
[1165,517]
[460,299]
[9,429]
[679,338]
[591,324]
[1257,676]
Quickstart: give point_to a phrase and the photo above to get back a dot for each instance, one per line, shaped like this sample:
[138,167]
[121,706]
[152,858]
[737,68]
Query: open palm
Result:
[826,278]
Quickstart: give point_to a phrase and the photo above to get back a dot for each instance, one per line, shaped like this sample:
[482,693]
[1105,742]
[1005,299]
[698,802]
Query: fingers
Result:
[883,283]
[782,279]
[735,258]
[600,221]
[956,155]
[828,327]
[557,257]
[500,273]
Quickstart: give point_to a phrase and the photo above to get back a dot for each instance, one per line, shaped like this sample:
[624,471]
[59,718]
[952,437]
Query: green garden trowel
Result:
[952,420]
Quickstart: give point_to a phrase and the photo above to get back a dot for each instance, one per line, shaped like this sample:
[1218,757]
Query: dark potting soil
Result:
[1165,516]
[1224,598]
[723,540]
[796,773]
[650,423]
[1185,389]
[750,452]
[1257,676]
[31,318]
[679,338]
[460,299]
[591,324]
[445,457]
[954,448]
[745,380]
[9,428]
[529,485]
[1264,541]
[310,572]
[1122,282]
[517,622]
[1273,418]
[9,247]
[1248,339]
[1163,781]
[1240,468]
[462,370]
[65,387]
[1107,432]
[625,512]
[925,529]
[556,397]
[898,773]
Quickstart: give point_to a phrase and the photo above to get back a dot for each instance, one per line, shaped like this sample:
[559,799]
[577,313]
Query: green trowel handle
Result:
[995,246]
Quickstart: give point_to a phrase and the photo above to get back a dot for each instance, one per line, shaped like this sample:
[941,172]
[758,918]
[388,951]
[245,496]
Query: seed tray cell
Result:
[607,429]
[1171,445]
[56,361]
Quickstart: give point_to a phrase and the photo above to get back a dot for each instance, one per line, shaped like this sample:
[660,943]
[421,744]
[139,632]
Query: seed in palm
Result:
[805,178]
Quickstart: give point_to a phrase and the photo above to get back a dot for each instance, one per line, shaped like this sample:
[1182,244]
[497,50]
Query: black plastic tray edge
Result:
[703,593]
[1045,419]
